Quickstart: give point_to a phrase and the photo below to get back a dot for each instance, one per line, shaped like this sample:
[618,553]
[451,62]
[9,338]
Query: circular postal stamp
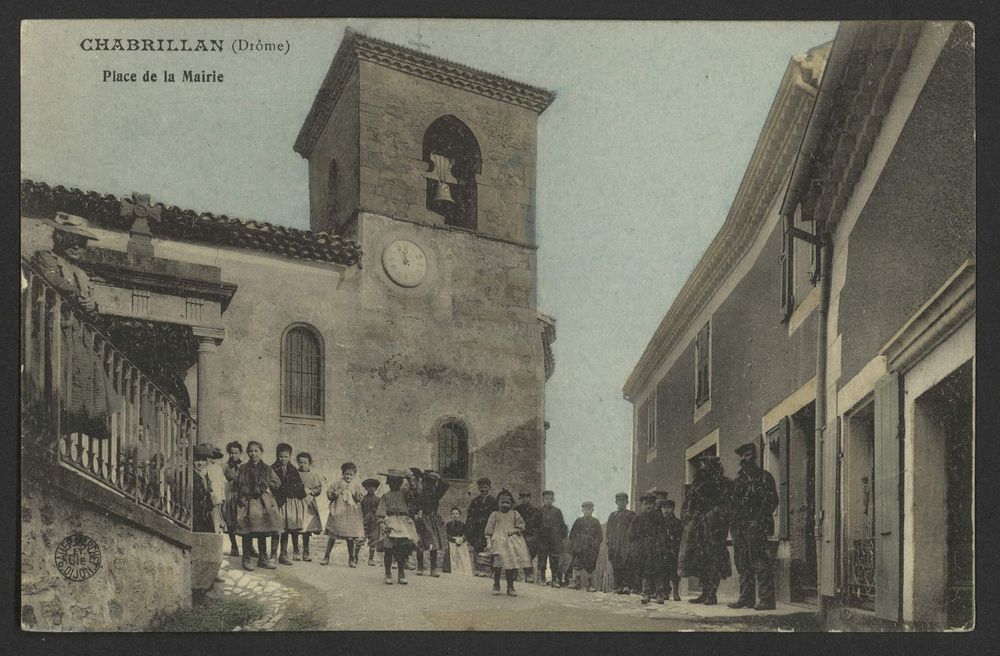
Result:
[78,557]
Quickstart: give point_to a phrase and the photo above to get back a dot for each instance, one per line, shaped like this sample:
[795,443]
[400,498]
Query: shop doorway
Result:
[944,415]
[859,507]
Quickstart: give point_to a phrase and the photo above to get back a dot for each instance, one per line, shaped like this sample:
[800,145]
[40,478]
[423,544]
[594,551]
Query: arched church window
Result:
[453,450]
[302,372]
[453,153]
[331,195]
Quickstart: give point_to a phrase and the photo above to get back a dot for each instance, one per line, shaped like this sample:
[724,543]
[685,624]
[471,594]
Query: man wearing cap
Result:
[476,517]
[619,522]
[206,516]
[90,399]
[754,499]
[528,513]
[550,531]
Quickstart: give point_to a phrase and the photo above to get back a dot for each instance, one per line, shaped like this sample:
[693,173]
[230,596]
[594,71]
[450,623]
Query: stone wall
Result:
[339,141]
[142,577]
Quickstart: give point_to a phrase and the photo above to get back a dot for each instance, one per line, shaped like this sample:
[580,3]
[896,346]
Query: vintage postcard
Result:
[371,324]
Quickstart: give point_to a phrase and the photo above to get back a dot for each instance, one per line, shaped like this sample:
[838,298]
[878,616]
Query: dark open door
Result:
[888,498]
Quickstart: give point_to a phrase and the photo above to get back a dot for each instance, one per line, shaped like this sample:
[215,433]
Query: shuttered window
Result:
[642,425]
[702,354]
[888,498]
[777,440]
[453,450]
[651,421]
[302,372]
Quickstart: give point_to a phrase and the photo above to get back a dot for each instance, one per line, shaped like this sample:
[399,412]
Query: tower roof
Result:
[357,46]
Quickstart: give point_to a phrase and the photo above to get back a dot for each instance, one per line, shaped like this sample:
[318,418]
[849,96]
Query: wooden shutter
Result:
[786,261]
[777,440]
[888,498]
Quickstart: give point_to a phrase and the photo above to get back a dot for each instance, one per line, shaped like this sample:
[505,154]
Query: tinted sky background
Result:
[639,159]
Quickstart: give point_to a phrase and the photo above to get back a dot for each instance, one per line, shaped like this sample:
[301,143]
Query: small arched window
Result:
[331,195]
[302,372]
[453,450]
[453,153]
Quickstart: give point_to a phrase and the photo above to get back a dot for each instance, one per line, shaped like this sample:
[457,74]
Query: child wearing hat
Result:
[290,497]
[369,504]
[398,535]
[586,536]
[478,514]
[346,519]
[505,542]
[311,522]
[619,522]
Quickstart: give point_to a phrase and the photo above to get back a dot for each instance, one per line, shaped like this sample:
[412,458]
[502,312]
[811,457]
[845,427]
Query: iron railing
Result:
[142,444]
[862,586]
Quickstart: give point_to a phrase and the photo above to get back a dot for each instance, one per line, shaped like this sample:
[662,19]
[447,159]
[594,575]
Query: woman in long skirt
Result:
[458,550]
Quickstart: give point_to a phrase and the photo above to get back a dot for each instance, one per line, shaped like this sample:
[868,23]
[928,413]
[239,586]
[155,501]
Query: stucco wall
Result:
[755,365]
[920,222]
[141,579]
[395,112]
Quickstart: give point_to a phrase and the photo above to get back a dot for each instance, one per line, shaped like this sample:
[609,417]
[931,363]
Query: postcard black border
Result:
[982,640]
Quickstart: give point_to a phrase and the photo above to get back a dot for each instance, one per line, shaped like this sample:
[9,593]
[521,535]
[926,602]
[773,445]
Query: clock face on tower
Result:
[405,263]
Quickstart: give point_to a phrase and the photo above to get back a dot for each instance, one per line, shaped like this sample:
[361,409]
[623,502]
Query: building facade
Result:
[402,330]
[831,321]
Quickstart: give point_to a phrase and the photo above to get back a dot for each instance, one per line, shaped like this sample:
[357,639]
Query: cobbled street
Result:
[342,598]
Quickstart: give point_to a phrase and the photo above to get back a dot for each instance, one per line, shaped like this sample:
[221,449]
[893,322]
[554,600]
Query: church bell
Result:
[442,198]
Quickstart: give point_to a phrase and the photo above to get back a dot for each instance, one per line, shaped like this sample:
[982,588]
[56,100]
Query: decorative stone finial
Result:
[140,238]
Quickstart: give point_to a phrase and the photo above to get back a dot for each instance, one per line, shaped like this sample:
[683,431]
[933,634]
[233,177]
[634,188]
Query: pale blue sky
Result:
[639,159]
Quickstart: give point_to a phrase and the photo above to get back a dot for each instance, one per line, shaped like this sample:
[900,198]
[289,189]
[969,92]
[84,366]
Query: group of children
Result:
[279,501]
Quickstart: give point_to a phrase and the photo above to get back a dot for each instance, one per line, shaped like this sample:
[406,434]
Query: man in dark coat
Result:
[619,522]
[703,547]
[754,499]
[476,517]
[586,536]
[550,531]
[528,513]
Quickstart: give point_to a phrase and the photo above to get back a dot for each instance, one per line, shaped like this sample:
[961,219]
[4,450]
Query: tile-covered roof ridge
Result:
[41,200]
[360,46]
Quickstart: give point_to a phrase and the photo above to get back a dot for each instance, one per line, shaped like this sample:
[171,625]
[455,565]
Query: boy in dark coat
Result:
[586,536]
[648,548]
[550,531]
[528,513]
[618,524]
[369,505]
[674,531]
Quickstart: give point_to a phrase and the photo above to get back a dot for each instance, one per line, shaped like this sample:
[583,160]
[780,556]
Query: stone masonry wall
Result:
[141,579]
[339,141]
[396,110]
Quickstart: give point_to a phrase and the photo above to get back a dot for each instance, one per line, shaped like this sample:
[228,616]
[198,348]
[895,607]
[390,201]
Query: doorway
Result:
[859,507]
[802,505]
[944,415]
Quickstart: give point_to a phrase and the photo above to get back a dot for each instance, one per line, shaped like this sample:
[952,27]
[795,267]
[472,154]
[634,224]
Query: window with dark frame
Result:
[453,450]
[302,373]
[703,347]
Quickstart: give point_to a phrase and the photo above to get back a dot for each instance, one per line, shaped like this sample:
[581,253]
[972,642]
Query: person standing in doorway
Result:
[753,502]
[617,538]
[475,520]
